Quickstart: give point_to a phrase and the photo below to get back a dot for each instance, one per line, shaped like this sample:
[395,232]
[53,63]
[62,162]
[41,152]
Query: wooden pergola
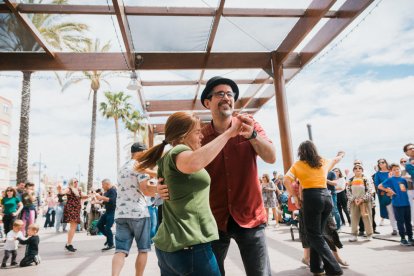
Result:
[278,66]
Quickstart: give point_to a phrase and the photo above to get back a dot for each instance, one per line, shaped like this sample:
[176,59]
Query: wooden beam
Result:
[195,82]
[126,34]
[209,46]
[27,23]
[313,14]
[282,115]
[159,11]
[168,106]
[173,105]
[152,61]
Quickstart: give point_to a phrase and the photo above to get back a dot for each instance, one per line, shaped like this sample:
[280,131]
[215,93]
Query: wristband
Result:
[253,136]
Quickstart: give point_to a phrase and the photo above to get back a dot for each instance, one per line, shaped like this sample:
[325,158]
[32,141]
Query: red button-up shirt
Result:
[235,189]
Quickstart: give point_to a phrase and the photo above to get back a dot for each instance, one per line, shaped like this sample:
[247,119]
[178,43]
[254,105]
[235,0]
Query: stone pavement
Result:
[381,256]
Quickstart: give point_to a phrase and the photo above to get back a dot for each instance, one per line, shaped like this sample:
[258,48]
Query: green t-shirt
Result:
[186,217]
[10,204]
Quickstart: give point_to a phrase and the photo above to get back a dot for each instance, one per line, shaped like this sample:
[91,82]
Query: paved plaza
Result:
[381,256]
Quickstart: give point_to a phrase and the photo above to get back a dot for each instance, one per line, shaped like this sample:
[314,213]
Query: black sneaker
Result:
[361,234]
[14,263]
[404,242]
[109,247]
[3,265]
[411,241]
[70,248]
[376,232]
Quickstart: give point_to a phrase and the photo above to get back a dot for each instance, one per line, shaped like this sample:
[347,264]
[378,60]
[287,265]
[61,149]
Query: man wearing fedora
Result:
[235,193]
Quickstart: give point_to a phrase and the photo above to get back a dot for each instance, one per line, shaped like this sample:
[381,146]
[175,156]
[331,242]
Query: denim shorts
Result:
[197,260]
[128,229]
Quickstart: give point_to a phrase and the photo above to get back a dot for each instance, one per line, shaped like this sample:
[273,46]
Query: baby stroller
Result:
[294,217]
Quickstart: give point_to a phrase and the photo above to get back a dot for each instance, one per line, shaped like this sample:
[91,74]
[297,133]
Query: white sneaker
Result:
[369,238]
[382,222]
[353,239]
[37,259]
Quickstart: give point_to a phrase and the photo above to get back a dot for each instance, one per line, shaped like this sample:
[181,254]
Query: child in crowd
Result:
[396,187]
[10,247]
[32,249]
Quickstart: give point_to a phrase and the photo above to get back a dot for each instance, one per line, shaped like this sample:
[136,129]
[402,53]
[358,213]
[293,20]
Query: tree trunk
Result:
[92,144]
[117,145]
[135,136]
[22,168]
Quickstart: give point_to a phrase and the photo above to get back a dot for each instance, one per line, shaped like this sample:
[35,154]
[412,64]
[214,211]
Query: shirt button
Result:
[229,190]
[227,174]
[225,157]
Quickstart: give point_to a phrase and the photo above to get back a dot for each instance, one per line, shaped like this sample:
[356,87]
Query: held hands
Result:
[162,189]
[247,125]
[235,126]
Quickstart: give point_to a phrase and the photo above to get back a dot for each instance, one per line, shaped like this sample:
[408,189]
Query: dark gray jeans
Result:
[252,246]
[317,207]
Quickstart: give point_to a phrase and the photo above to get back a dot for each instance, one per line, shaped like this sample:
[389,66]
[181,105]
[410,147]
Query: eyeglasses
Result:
[381,162]
[401,162]
[221,94]
[75,181]
[9,190]
[412,148]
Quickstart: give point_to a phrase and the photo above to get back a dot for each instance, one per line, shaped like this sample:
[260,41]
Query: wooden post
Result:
[150,136]
[282,114]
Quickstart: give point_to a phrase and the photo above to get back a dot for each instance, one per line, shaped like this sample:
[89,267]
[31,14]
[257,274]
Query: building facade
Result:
[5,132]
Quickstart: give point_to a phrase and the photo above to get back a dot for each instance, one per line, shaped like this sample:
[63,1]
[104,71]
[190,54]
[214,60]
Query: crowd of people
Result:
[204,180]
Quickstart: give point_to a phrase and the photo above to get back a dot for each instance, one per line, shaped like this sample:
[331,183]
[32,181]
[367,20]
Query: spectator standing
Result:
[60,205]
[12,207]
[396,188]
[51,212]
[269,191]
[342,200]
[331,184]
[359,195]
[386,210]
[29,206]
[408,175]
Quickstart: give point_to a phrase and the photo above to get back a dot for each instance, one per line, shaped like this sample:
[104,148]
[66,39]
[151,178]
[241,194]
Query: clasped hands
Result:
[243,125]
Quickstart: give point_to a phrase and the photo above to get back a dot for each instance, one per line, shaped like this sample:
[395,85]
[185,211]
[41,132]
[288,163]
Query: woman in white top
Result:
[342,200]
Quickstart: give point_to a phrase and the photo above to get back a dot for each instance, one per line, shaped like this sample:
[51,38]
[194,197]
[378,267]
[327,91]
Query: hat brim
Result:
[213,84]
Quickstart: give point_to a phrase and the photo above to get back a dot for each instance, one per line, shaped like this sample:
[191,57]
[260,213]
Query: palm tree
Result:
[95,77]
[133,123]
[117,107]
[14,37]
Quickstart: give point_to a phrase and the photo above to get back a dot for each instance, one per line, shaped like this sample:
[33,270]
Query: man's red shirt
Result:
[235,189]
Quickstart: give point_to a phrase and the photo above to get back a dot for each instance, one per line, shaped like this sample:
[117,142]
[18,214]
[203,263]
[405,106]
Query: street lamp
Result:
[309,131]
[41,166]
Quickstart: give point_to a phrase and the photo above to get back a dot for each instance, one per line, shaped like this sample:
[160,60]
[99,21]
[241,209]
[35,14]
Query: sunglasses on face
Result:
[403,162]
[381,162]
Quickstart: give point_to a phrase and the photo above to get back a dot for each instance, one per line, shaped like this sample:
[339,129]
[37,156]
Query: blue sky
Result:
[358,97]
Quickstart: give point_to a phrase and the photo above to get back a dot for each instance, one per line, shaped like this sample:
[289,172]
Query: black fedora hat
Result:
[213,82]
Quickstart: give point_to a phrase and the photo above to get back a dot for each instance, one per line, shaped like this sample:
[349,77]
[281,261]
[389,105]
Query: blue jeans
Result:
[335,212]
[105,224]
[252,246]
[59,217]
[317,207]
[153,216]
[197,260]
